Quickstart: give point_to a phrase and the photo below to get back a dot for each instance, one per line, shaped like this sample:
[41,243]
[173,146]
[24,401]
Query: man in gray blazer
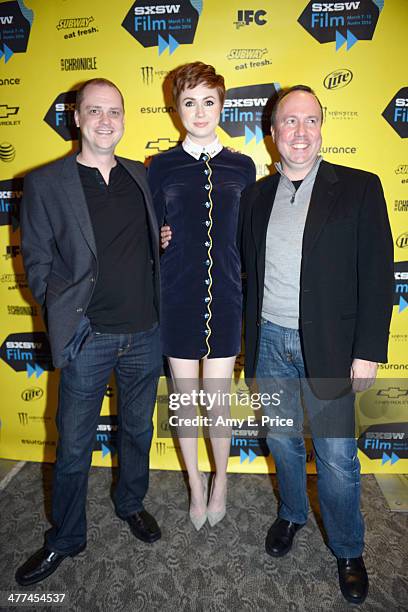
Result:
[91,253]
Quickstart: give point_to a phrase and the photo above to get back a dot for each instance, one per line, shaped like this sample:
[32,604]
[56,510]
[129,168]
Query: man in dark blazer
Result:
[318,253]
[91,254]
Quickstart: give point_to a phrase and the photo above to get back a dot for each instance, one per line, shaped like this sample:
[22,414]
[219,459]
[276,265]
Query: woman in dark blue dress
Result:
[196,191]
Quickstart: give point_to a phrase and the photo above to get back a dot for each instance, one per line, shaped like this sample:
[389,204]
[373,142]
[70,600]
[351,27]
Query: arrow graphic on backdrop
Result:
[163,44]
[244,456]
[340,40]
[403,304]
[36,369]
[250,135]
[106,451]
[7,52]
[385,458]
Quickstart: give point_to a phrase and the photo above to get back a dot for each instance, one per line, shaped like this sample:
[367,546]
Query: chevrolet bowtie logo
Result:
[7,111]
[393,392]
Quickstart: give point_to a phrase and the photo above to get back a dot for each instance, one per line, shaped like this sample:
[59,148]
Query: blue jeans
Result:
[281,365]
[136,360]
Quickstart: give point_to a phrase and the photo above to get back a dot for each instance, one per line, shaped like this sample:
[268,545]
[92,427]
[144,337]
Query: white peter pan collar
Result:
[195,150]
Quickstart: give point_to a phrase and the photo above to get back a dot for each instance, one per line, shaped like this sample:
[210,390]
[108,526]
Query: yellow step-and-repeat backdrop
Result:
[352,53]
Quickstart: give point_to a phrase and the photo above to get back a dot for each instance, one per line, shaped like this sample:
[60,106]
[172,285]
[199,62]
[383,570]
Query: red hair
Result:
[190,75]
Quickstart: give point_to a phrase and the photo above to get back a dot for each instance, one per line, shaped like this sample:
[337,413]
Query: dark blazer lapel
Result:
[71,183]
[260,218]
[321,203]
[136,173]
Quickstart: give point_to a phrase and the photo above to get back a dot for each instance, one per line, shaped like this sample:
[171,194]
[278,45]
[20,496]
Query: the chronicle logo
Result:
[27,352]
[7,152]
[107,435]
[401,285]
[32,394]
[68,64]
[15,26]
[165,25]
[396,112]
[385,441]
[14,309]
[342,22]
[77,26]
[248,17]
[7,114]
[245,111]
[60,115]
[338,79]
[11,192]
[402,241]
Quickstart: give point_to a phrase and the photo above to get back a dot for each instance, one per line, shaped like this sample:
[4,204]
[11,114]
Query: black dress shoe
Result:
[353,579]
[144,526]
[40,565]
[280,536]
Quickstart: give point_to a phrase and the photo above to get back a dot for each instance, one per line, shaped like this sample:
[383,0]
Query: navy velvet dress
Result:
[200,269]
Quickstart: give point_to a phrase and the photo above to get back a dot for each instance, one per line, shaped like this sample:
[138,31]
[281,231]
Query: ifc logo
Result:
[338,79]
[7,152]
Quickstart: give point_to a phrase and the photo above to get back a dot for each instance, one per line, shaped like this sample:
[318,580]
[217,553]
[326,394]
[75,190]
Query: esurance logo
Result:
[15,26]
[338,79]
[246,111]
[167,26]
[342,22]
[401,285]
[396,113]
[60,115]
[11,192]
[27,352]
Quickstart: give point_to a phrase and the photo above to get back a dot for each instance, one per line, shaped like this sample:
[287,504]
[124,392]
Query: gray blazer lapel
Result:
[71,184]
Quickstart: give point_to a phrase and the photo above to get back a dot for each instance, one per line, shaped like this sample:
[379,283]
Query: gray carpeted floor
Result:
[217,569]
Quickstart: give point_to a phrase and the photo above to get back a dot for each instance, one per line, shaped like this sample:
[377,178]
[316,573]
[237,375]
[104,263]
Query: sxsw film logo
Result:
[27,352]
[386,441]
[245,111]
[401,285]
[15,26]
[342,22]
[396,113]
[107,435]
[60,115]
[338,79]
[11,192]
[248,17]
[167,26]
